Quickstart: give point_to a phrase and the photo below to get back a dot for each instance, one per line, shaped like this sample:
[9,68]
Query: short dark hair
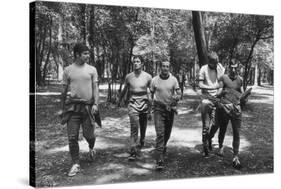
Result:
[213,56]
[139,57]
[79,48]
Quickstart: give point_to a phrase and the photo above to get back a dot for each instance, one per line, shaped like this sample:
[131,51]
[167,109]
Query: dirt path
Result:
[183,160]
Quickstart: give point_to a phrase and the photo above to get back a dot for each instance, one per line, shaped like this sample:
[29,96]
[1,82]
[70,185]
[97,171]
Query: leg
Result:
[214,116]
[236,125]
[168,127]
[73,126]
[143,126]
[135,124]
[89,132]
[159,121]
[206,106]
[223,122]
[214,125]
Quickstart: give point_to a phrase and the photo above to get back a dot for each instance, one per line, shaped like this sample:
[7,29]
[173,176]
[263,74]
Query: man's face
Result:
[212,64]
[165,68]
[233,70]
[84,58]
[137,63]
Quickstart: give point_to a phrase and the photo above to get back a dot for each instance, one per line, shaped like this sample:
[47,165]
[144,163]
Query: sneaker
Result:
[159,165]
[74,170]
[141,145]
[221,152]
[132,157]
[205,152]
[236,163]
[92,154]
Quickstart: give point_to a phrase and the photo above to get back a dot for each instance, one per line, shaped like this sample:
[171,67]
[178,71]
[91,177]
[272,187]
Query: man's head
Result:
[137,62]
[213,60]
[233,68]
[165,68]
[81,53]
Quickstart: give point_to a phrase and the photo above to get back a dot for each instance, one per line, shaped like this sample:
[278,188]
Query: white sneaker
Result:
[236,163]
[74,170]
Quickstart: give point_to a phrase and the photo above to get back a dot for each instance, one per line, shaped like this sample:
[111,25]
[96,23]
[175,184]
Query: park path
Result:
[183,158]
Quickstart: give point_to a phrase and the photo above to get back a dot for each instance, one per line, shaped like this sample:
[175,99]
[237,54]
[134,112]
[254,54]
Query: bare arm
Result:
[96,93]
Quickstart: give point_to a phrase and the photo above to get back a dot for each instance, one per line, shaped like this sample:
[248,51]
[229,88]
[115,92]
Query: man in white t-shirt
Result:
[209,84]
[166,93]
[81,79]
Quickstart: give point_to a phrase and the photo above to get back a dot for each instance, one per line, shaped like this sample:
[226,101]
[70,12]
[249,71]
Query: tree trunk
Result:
[248,64]
[259,76]
[49,52]
[199,37]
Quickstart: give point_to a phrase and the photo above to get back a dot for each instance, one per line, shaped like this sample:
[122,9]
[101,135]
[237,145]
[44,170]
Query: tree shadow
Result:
[183,159]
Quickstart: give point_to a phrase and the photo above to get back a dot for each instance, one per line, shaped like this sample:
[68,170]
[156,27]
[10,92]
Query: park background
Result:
[24,103]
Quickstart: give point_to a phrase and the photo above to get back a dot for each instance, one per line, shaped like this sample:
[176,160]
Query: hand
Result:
[60,112]
[95,109]
[149,117]
[217,86]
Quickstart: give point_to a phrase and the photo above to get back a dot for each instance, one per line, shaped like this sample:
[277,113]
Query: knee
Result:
[72,139]
[89,135]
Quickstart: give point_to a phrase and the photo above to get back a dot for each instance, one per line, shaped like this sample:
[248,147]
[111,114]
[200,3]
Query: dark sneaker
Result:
[205,152]
[74,170]
[141,145]
[132,157]
[221,152]
[92,154]
[236,163]
[159,165]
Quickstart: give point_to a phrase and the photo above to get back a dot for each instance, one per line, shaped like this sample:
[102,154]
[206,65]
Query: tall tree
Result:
[199,34]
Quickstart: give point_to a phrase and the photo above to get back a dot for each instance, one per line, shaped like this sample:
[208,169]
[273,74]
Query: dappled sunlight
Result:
[138,171]
[184,110]
[146,165]
[246,115]
[265,99]
[46,93]
[108,178]
[111,167]
[189,138]
[101,143]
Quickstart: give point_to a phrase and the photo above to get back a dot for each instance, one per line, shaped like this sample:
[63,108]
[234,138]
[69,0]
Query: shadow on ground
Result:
[183,158]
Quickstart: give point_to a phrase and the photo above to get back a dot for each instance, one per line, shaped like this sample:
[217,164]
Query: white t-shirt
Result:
[210,77]
[80,79]
[164,89]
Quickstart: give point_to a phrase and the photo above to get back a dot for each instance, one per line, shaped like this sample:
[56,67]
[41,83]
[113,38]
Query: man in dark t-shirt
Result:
[230,109]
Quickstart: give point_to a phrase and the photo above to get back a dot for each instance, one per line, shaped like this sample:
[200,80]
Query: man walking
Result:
[166,93]
[209,84]
[78,108]
[231,109]
[137,85]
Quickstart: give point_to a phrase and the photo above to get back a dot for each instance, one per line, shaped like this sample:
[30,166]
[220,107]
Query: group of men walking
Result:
[160,94]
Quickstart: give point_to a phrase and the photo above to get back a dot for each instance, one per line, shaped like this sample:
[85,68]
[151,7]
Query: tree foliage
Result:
[115,33]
